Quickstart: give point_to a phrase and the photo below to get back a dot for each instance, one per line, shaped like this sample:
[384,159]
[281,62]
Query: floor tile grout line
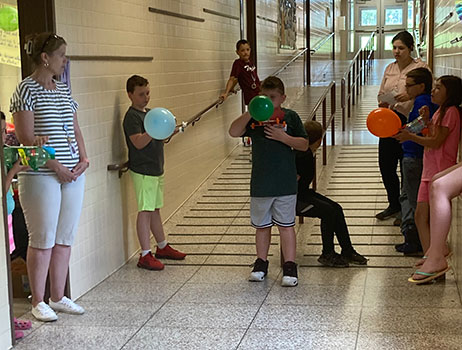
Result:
[361,310]
[199,266]
[259,308]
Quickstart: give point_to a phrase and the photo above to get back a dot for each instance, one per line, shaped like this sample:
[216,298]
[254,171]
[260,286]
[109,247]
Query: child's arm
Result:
[17,167]
[434,141]
[232,81]
[277,133]
[237,128]
[140,140]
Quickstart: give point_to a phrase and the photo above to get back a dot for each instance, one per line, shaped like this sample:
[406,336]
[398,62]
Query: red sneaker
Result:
[169,253]
[149,262]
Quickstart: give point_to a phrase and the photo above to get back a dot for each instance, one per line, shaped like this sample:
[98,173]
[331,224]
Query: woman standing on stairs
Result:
[392,94]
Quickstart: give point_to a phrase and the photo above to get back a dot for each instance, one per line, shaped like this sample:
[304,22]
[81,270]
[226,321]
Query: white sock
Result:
[145,252]
[162,244]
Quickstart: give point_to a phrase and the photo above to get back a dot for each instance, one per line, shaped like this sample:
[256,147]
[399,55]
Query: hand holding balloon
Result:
[159,123]
[261,108]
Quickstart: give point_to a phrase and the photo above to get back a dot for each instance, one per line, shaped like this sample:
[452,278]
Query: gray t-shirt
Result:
[148,160]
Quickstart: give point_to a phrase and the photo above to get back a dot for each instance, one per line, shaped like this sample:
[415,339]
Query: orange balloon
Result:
[383,122]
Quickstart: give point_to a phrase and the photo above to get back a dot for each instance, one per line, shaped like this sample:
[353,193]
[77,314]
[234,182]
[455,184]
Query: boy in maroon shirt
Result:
[244,72]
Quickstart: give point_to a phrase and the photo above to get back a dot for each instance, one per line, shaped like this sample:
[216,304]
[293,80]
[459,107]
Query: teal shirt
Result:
[10,204]
[273,163]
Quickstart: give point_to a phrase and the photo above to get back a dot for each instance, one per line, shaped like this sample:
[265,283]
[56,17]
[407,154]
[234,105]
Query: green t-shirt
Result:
[273,163]
[148,160]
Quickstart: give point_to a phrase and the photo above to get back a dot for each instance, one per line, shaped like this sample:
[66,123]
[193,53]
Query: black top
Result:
[148,160]
[305,169]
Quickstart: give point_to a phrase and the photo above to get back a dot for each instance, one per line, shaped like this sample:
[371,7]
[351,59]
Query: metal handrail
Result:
[121,168]
[321,42]
[322,101]
[293,59]
[301,53]
[356,75]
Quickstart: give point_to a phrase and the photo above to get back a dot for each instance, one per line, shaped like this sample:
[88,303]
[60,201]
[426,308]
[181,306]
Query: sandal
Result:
[22,325]
[429,276]
[422,260]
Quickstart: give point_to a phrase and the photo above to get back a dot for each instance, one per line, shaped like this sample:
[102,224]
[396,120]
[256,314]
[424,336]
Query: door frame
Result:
[35,16]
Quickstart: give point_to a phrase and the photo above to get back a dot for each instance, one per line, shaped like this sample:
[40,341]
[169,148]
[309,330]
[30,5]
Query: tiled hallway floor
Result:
[206,302]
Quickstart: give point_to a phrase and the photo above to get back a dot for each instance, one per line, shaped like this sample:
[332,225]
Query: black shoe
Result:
[399,247]
[355,258]
[260,270]
[411,249]
[387,213]
[289,274]
[333,260]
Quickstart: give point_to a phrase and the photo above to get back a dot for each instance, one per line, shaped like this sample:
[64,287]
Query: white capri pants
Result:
[51,209]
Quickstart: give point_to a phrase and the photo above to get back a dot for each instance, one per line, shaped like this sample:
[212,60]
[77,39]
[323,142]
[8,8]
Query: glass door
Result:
[385,17]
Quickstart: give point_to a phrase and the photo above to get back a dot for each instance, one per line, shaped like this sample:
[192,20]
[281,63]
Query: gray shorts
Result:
[269,211]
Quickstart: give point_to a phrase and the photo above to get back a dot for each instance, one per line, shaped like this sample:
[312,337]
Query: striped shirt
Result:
[53,117]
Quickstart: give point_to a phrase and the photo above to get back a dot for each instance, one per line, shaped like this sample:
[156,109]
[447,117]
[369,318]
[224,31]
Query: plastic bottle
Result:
[417,125]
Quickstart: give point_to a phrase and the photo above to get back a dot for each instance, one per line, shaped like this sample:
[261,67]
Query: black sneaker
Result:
[290,276]
[399,247]
[387,213]
[355,258]
[410,249]
[260,270]
[333,260]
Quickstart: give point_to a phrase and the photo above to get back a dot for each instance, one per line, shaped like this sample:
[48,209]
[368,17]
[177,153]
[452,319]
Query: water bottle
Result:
[416,126]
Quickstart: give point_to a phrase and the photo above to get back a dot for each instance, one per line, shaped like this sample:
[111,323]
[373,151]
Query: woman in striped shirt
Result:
[45,113]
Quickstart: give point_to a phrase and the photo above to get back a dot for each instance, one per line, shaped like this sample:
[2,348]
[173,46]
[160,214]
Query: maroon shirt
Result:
[246,74]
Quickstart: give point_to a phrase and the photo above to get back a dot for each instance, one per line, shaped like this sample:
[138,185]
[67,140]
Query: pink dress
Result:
[436,160]
[10,233]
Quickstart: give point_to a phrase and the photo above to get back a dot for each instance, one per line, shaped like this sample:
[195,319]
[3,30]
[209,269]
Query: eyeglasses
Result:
[410,85]
[52,36]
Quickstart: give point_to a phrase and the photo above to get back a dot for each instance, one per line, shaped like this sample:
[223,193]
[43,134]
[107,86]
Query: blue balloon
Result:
[159,123]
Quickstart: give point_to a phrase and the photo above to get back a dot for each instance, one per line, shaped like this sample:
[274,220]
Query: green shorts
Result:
[149,191]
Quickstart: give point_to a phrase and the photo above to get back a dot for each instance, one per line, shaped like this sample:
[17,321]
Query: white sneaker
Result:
[289,281]
[290,276]
[260,270]
[258,276]
[67,305]
[44,313]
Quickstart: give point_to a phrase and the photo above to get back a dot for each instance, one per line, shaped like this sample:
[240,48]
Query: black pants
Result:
[332,220]
[390,153]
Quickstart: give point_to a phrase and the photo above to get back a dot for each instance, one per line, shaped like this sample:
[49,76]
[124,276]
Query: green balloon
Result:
[8,19]
[261,108]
